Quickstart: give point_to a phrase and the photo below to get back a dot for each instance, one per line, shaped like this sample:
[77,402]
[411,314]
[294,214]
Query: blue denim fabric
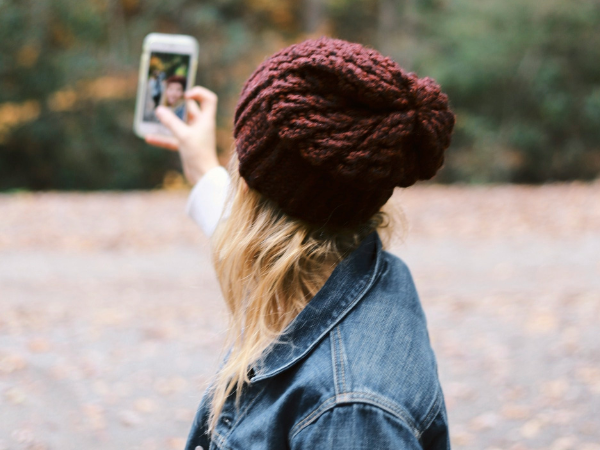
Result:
[354,370]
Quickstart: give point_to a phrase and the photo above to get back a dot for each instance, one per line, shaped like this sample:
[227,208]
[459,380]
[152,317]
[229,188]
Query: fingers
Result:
[193,109]
[168,118]
[167,142]
[207,99]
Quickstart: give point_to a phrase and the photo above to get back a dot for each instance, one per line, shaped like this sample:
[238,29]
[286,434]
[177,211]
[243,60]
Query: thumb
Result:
[193,109]
[171,121]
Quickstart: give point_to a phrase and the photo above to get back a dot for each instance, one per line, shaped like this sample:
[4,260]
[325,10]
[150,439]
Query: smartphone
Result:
[167,69]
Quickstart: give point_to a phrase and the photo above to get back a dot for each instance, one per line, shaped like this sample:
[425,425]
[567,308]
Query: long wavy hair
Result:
[269,266]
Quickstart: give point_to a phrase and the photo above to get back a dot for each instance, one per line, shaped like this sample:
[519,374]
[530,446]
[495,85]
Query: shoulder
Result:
[383,349]
[392,302]
[382,364]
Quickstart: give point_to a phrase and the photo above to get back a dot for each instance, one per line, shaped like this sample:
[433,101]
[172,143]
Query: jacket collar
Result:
[344,288]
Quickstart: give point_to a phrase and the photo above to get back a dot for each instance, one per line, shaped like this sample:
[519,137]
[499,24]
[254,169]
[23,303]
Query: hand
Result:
[195,140]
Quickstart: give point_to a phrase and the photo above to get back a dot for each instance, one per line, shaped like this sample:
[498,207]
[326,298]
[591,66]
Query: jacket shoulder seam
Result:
[433,411]
[364,398]
[338,362]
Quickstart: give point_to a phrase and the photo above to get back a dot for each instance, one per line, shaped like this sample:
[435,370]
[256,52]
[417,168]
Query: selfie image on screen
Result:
[167,79]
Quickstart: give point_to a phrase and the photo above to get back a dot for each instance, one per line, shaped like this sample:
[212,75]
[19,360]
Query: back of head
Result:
[327,128]
[324,132]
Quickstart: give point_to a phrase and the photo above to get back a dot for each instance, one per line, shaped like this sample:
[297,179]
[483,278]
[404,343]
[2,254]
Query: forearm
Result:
[206,201]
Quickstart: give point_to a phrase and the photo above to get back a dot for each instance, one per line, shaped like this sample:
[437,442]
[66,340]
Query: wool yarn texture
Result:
[326,129]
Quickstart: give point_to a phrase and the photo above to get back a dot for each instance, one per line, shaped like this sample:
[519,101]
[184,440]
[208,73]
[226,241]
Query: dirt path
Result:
[111,319]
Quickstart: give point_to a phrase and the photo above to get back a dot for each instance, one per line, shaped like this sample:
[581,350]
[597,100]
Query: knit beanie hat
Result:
[326,129]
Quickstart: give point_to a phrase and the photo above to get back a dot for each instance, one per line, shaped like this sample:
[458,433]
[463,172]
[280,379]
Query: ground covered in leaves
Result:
[111,319]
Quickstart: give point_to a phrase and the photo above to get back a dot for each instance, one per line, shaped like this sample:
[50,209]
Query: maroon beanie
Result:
[327,128]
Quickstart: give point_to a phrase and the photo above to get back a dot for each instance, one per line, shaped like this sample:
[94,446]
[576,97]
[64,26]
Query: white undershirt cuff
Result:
[207,198]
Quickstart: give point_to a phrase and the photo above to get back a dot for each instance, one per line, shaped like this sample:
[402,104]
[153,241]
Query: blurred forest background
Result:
[111,317]
[523,77]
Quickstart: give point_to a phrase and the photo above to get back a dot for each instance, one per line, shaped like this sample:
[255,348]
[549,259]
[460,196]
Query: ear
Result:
[244,184]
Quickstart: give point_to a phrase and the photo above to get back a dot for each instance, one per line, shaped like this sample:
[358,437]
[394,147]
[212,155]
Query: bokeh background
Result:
[111,318]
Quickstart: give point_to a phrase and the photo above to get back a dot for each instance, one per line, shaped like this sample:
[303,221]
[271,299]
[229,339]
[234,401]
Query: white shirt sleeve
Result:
[206,201]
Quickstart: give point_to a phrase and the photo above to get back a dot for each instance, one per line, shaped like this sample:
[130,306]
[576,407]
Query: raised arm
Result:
[207,199]
[196,143]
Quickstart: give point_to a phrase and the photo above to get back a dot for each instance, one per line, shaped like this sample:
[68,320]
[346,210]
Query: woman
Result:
[173,95]
[328,344]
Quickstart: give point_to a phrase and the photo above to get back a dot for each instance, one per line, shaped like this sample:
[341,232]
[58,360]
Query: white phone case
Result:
[157,49]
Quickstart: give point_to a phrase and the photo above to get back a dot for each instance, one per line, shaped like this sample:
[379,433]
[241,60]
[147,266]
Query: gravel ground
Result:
[111,319]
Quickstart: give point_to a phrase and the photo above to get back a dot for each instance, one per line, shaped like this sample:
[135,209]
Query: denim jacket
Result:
[354,370]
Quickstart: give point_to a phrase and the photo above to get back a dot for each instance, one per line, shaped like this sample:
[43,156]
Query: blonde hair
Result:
[269,265]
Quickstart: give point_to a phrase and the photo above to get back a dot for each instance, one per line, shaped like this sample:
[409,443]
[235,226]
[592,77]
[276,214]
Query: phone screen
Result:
[166,83]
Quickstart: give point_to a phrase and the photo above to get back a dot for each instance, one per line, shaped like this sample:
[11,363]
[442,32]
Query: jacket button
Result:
[199,447]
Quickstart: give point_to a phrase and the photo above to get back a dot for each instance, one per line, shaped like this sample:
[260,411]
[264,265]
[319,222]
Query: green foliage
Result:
[523,77]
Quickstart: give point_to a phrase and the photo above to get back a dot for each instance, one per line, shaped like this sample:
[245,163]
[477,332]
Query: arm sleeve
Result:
[353,427]
[206,201]
[437,435]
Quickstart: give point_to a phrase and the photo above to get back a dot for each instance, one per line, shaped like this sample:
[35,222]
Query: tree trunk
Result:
[313,15]
[387,25]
